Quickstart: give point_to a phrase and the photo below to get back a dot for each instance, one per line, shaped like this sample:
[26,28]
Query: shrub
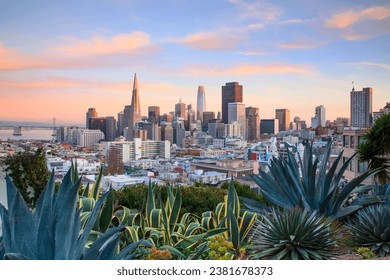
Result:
[293,235]
[370,227]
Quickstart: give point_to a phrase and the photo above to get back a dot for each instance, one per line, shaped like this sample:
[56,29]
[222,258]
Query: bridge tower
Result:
[54,133]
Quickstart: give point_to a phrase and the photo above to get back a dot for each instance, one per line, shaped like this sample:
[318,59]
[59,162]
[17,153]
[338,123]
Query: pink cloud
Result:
[72,53]
[258,9]
[210,41]
[349,18]
[98,45]
[300,43]
[250,69]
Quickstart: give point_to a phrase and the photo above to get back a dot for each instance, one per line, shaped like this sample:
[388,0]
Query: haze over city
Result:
[58,58]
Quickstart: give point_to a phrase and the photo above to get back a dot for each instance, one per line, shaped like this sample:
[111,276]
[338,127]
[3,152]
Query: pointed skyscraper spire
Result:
[135,114]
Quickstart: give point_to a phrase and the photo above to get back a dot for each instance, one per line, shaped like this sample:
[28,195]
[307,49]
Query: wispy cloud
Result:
[351,17]
[210,41]
[249,69]
[374,64]
[301,43]
[258,9]
[74,53]
[250,53]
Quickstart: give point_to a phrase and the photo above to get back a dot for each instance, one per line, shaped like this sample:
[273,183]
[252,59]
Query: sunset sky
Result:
[58,58]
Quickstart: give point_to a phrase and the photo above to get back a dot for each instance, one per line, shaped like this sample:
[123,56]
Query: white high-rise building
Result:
[236,113]
[89,137]
[200,103]
[361,108]
[320,115]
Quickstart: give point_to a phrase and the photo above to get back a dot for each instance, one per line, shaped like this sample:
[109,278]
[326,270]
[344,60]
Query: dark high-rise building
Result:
[283,115]
[91,113]
[98,123]
[200,103]
[166,118]
[180,110]
[231,93]
[269,126]
[120,124]
[361,108]
[126,116]
[253,128]
[153,113]
[110,132]
[207,116]
[167,132]
[135,110]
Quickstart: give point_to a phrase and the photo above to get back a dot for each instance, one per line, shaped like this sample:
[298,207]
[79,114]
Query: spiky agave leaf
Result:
[293,235]
[316,190]
[370,227]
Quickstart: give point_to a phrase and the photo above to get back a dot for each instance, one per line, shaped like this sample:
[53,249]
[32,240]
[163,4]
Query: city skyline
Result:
[59,59]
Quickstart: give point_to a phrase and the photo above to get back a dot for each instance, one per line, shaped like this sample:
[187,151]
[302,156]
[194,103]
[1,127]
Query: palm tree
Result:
[375,149]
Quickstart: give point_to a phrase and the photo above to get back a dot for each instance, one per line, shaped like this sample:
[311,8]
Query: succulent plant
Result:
[293,235]
[317,189]
[370,227]
[52,229]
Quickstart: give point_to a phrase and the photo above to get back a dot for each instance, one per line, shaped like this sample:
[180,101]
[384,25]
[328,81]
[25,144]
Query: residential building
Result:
[320,115]
[361,108]
[89,137]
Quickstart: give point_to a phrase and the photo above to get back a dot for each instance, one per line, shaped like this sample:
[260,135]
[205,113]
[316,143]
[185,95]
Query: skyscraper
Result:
[135,110]
[154,113]
[236,113]
[91,113]
[361,108]
[283,115]
[320,114]
[231,92]
[201,103]
[180,110]
[252,114]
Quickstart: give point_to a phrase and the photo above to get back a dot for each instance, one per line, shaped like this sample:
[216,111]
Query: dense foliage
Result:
[29,173]
[376,148]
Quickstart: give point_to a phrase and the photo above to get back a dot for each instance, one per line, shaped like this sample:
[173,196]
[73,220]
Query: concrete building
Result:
[153,113]
[167,132]
[320,113]
[216,128]
[236,113]
[233,130]
[283,115]
[89,137]
[231,93]
[210,178]
[352,137]
[253,128]
[235,168]
[361,108]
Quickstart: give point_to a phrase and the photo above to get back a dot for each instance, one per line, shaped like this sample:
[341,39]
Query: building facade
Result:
[200,103]
[231,92]
[283,115]
[361,108]
[253,128]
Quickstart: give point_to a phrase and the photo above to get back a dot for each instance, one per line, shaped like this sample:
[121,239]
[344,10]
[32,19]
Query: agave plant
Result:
[293,235]
[228,214]
[313,189]
[162,227]
[52,230]
[370,227]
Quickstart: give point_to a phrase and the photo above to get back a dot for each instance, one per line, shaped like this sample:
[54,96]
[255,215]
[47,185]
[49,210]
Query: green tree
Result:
[376,147]
[29,173]
[244,190]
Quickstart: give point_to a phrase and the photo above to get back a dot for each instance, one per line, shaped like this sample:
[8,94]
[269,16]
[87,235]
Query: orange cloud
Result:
[210,41]
[349,18]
